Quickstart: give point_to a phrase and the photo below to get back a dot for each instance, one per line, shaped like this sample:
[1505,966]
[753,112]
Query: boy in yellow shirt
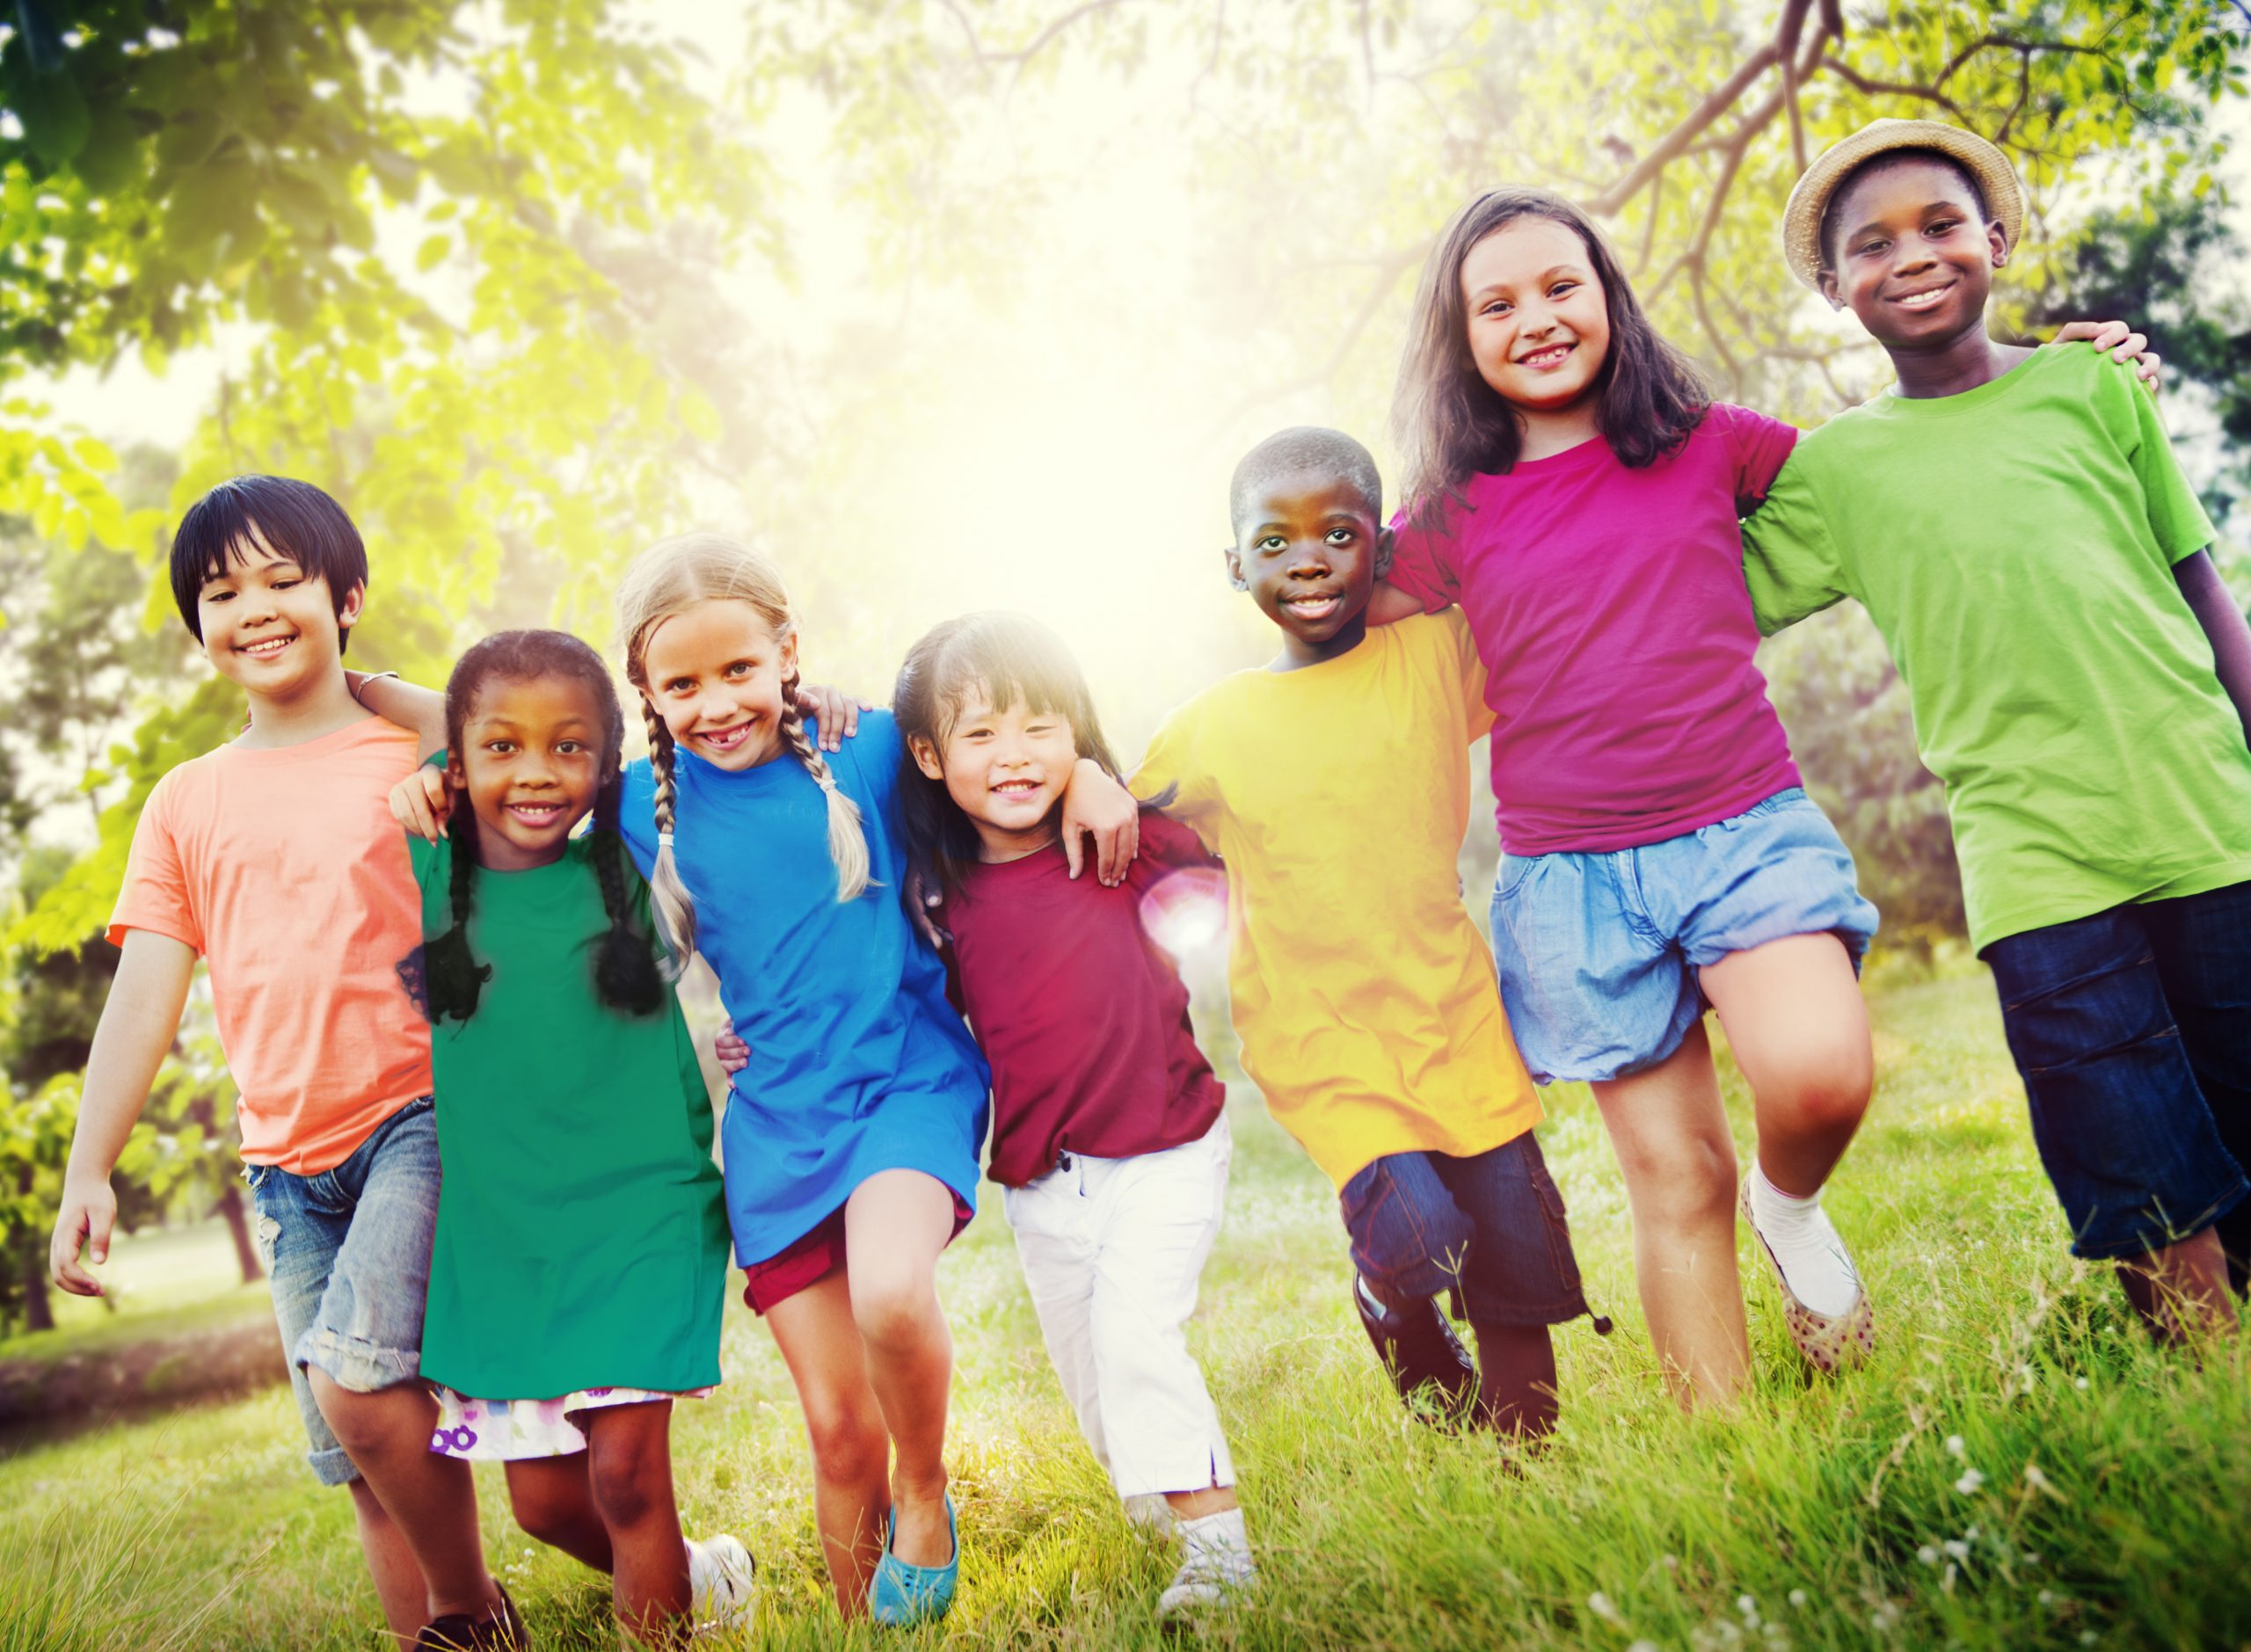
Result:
[1335,784]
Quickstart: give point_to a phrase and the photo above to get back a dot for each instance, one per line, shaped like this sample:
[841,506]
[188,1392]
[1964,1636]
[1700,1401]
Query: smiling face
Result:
[270,626]
[530,760]
[1308,549]
[1911,253]
[1539,321]
[1005,769]
[720,679]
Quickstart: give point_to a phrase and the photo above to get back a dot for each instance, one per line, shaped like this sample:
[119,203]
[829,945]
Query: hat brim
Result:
[1809,198]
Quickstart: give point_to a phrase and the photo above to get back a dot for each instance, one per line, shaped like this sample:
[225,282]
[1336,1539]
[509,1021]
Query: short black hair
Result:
[1885,161]
[294,519]
[1299,449]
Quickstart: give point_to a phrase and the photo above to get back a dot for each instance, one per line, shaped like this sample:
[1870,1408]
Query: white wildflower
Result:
[1956,1547]
[1928,1555]
[1797,1598]
[2081,1383]
[1970,1481]
[2046,1597]
[1954,1443]
[1672,1562]
[1603,1607]
[1747,1606]
[1644,1646]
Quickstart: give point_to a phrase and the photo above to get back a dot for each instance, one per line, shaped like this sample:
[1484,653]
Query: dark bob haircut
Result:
[1451,425]
[294,519]
[1008,660]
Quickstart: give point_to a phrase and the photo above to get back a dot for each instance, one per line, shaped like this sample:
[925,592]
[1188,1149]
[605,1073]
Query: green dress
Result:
[582,1236]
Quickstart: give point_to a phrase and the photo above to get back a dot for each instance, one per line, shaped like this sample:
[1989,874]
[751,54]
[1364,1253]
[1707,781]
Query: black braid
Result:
[453,976]
[625,964]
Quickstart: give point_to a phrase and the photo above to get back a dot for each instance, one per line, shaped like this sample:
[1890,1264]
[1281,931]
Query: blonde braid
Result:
[675,910]
[848,844]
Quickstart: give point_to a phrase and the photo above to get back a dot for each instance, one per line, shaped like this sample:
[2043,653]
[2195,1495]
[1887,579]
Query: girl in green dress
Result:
[581,1252]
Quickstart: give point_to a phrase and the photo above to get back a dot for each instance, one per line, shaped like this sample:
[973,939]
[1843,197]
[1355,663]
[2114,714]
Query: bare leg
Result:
[896,1223]
[429,1496]
[554,1503]
[390,1561]
[852,1453]
[629,1464]
[1670,1136]
[1516,1379]
[1798,1026]
[2182,1290]
[1194,1505]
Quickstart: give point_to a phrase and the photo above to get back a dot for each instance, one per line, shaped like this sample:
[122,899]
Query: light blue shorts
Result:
[1598,951]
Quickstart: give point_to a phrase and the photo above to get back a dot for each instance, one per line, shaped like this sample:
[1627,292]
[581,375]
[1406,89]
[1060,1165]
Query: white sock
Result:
[1812,1257]
[1220,1536]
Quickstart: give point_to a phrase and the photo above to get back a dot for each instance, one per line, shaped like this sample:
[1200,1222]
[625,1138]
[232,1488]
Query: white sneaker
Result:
[722,1582]
[1217,1570]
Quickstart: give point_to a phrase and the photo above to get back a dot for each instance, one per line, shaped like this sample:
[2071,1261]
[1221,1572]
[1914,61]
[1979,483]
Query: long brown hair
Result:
[1451,425]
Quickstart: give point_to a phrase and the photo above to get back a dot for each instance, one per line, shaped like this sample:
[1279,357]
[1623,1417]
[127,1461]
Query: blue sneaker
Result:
[901,1596]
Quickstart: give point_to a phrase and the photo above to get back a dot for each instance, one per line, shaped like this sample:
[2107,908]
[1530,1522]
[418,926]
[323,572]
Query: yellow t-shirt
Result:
[1337,793]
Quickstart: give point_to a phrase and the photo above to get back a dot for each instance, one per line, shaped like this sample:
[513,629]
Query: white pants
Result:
[1113,1250]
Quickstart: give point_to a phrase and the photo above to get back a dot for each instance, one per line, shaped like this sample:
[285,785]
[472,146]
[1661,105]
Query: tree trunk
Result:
[231,1206]
[39,1313]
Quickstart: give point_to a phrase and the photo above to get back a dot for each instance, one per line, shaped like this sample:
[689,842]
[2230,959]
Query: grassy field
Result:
[2015,1468]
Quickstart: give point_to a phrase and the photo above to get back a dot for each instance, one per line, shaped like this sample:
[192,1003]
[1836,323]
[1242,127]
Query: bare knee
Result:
[850,1445]
[1687,1187]
[365,1424]
[629,1480]
[1826,1092]
[895,1313]
[543,1515]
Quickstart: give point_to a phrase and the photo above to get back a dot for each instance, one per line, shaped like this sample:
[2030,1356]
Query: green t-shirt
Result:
[582,1241]
[2014,544]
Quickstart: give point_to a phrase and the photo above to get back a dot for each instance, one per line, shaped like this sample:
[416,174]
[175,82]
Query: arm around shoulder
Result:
[420,710]
[2215,610]
[138,1023]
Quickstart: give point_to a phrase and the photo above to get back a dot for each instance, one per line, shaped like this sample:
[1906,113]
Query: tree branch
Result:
[1679,139]
[1852,77]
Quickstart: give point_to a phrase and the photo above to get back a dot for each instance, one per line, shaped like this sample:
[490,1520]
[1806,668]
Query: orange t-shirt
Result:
[282,867]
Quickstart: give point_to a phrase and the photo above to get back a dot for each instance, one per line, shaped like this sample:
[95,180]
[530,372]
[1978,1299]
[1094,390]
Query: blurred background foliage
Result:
[949,302]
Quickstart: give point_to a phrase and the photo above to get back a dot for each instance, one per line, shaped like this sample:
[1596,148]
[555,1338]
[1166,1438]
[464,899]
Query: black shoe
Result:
[1427,1361]
[499,1630]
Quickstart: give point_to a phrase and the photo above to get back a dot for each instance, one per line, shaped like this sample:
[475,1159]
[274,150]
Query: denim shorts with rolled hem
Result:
[348,1254]
[1599,950]
[1487,1231]
[2111,1018]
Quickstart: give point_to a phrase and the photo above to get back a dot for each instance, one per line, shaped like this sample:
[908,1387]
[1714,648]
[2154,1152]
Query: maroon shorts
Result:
[812,1258]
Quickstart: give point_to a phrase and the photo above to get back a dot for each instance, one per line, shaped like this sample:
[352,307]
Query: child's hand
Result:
[89,1211]
[421,802]
[2124,344]
[922,902]
[1095,804]
[732,1054]
[837,713]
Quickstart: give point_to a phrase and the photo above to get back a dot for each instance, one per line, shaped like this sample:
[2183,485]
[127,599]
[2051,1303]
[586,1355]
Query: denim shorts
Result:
[348,1252]
[2132,1030]
[1487,1231]
[1599,950]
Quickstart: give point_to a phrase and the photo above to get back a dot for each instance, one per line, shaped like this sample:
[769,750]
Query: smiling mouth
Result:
[536,814]
[266,647]
[1016,787]
[722,739]
[1312,608]
[1539,360]
[1927,299]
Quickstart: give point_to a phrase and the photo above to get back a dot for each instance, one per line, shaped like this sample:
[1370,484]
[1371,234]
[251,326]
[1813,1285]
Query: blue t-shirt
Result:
[858,1062]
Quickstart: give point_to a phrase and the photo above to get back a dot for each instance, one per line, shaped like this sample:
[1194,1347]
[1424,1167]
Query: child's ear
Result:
[1383,547]
[789,655]
[456,776]
[1830,289]
[1234,569]
[1997,238]
[926,756]
[354,600]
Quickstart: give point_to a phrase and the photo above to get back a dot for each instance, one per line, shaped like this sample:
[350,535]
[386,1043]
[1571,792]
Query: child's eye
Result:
[1495,307]
[216,596]
[1944,226]
[1272,542]
[680,685]
[569,748]
[1342,536]
[284,584]
[740,668]
[499,748]
[1561,287]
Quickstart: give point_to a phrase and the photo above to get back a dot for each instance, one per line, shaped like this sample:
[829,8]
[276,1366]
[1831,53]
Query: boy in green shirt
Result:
[2016,525]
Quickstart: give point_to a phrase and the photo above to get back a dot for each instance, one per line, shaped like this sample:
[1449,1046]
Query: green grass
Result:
[185,1277]
[1840,1514]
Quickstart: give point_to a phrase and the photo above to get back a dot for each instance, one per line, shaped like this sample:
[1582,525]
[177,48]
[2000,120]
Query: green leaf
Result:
[53,112]
[111,158]
[432,252]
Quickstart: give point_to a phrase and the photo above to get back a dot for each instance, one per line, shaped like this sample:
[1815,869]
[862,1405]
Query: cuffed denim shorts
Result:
[2131,1028]
[1599,951]
[1488,1231]
[348,1252]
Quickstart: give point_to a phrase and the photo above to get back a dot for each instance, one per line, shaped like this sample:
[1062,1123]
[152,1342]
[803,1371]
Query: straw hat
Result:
[1809,199]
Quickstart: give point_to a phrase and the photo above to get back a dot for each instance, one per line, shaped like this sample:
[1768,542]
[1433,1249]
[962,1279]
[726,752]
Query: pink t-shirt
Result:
[1609,606]
[283,868]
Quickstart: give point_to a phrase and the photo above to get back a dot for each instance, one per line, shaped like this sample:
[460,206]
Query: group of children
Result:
[1589,551]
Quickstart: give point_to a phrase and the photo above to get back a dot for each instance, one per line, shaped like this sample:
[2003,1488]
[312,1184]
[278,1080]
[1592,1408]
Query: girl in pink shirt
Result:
[1571,485]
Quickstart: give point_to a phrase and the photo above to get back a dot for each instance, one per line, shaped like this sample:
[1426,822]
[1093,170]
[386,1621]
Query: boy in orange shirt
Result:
[276,860]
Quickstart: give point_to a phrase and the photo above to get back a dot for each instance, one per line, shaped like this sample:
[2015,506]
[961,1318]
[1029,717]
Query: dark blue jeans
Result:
[1488,1230]
[2132,1030]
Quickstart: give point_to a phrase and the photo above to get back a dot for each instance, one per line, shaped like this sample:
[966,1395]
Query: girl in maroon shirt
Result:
[1108,1134]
